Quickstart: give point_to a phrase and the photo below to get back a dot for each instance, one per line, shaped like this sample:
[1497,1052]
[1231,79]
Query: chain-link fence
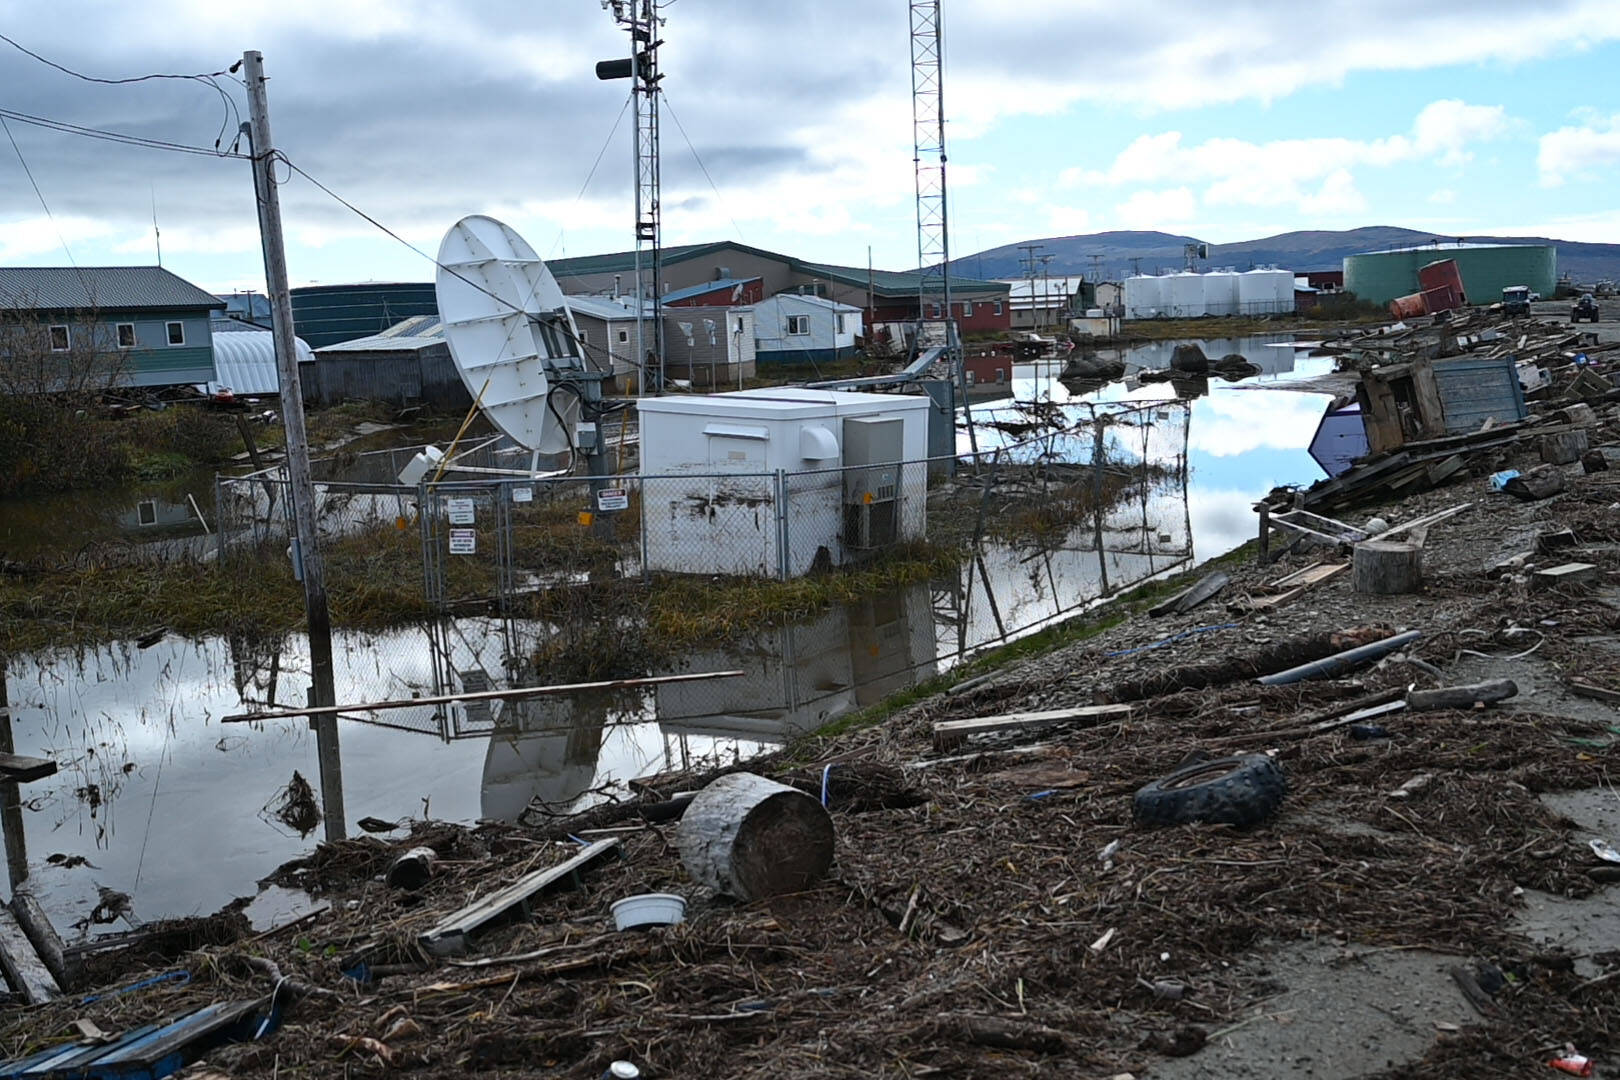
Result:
[1109,479]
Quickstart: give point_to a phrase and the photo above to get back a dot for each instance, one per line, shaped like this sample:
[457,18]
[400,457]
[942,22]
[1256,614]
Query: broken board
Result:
[21,769]
[25,971]
[450,936]
[153,1050]
[948,733]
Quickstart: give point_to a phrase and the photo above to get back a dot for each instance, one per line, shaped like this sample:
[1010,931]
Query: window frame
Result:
[168,332]
[624,337]
[967,309]
[118,334]
[67,337]
[801,321]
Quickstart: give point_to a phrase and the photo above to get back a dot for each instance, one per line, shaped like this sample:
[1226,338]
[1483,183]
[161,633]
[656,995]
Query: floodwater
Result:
[159,799]
[163,516]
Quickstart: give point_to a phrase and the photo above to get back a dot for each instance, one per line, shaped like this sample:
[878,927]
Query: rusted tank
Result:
[1408,307]
[1441,298]
[1441,275]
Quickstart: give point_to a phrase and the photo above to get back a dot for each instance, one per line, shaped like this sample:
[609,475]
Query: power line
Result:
[599,155]
[41,196]
[124,138]
[698,158]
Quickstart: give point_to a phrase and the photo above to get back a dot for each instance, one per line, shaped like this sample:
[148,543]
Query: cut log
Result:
[1387,567]
[1594,461]
[1563,447]
[37,927]
[949,733]
[413,869]
[749,837]
[1539,483]
[1462,697]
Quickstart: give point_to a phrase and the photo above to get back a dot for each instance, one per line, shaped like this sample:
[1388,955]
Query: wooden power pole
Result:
[306,547]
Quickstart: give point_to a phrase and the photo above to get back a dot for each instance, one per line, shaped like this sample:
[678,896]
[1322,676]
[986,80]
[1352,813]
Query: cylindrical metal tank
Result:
[327,314]
[1256,293]
[1282,290]
[1184,295]
[1441,274]
[1144,297]
[1484,270]
[1221,292]
[1408,307]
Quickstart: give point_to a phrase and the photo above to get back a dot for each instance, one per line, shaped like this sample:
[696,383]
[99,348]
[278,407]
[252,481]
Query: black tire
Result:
[1241,790]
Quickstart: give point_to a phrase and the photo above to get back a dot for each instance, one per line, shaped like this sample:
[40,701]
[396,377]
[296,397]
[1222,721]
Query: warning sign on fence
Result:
[612,499]
[522,494]
[463,541]
[460,511]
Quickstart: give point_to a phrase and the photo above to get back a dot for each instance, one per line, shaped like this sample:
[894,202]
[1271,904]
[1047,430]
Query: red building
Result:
[989,367]
[722,292]
[1325,280]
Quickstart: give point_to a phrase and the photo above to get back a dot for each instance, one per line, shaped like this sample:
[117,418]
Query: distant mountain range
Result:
[1114,255]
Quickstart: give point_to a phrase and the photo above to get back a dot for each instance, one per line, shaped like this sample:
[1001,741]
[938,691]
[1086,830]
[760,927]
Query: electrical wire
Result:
[41,196]
[600,154]
[719,199]
[123,138]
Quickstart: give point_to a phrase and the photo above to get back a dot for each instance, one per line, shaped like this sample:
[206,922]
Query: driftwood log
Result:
[1387,567]
[1538,483]
[1462,697]
[750,837]
[1563,447]
[413,869]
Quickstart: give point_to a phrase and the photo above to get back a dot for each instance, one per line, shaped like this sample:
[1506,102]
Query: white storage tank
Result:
[1221,292]
[712,501]
[1184,295]
[1144,297]
[1282,283]
[1256,292]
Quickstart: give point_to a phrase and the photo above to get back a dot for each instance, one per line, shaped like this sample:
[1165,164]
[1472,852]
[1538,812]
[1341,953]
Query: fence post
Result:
[782,549]
[219,519]
[1098,463]
[646,569]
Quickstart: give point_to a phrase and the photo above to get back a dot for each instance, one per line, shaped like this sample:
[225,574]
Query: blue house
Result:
[152,321]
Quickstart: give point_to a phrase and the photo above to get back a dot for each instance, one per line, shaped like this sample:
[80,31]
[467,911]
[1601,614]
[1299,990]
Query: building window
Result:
[61,340]
[126,335]
[840,320]
[584,337]
[798,324]
[1001,374]
[177,333]
[933,311]
[739,327]
[967,309]
[998,307]
[624,337]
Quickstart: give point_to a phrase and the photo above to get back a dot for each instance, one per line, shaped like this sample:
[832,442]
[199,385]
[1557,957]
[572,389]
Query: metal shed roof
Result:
[417,332]
[245,362]
[109,288]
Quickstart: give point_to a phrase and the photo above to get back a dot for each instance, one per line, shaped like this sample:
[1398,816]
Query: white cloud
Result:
[1068,220]
[1443,197]
[1574,153]
[1314,175]
[26,237]
[1153,209]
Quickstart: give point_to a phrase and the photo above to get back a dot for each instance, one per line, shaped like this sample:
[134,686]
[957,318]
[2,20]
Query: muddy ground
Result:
[999,912]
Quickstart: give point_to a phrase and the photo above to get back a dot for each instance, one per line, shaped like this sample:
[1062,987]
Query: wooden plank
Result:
[1573,573]
[1424,521]
[1184,601]
[25,971]
[1592,690]
[173,1040]
[950,732]
[450,936]
[21,769]
[512,694]
[1288,579]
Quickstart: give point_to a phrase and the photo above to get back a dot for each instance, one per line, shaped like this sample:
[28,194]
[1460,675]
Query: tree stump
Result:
[1541,482]
[1563,447]
[1386,567]
[413,869]
[750,837]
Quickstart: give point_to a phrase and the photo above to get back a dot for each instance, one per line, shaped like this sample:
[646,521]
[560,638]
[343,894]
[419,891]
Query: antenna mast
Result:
[928,156]
[640,19]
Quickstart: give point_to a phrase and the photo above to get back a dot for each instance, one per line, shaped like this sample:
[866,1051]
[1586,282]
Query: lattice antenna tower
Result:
[641,20]
[928,158]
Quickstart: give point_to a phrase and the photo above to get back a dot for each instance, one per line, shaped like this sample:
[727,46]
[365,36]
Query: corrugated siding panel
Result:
[1474,390]
[427,375]
[171,366]
[245,361]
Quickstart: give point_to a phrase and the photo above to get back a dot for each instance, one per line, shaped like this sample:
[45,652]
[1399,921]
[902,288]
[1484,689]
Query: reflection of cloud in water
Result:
[1238,421]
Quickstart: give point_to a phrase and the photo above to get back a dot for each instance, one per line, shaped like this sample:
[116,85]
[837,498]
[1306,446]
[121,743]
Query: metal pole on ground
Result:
[306,549]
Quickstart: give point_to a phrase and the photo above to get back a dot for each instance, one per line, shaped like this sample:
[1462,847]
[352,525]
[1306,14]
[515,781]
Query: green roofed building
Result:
[142,325]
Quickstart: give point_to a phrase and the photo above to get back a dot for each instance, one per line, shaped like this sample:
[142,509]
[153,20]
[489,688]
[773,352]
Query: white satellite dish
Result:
[510,333]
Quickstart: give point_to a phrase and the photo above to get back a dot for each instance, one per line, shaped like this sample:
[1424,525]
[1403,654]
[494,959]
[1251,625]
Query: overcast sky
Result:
[1227,121]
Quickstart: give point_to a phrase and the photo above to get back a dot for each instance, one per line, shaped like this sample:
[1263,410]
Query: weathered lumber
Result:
[21,769]
[24,969]
[1592,690]
[1342,661]
[1387,567]
[1577,574]
[949,733]
[37,927]
[1563,447]
[1462,697]
[511,694]
[1205,588]
[450,936]
[749,837]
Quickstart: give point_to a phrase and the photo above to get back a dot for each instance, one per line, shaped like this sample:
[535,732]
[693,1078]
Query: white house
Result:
[793,328]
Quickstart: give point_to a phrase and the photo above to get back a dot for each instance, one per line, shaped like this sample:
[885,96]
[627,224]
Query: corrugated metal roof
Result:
[108,288]
[606,308]
[245,362]
[416,332]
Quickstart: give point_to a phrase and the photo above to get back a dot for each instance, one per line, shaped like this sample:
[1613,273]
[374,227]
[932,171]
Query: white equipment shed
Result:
[779,480]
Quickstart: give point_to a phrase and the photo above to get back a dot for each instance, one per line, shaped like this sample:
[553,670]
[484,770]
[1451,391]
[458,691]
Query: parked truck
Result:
[1516,300]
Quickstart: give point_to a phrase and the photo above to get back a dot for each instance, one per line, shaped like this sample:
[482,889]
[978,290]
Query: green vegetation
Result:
[48,446]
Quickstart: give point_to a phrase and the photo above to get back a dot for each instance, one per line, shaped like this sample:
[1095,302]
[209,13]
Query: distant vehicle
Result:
[1584,308]
[1516,300]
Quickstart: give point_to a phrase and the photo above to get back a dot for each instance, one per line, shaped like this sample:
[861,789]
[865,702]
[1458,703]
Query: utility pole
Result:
[1029,261]
[306,547]
[1046,290]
